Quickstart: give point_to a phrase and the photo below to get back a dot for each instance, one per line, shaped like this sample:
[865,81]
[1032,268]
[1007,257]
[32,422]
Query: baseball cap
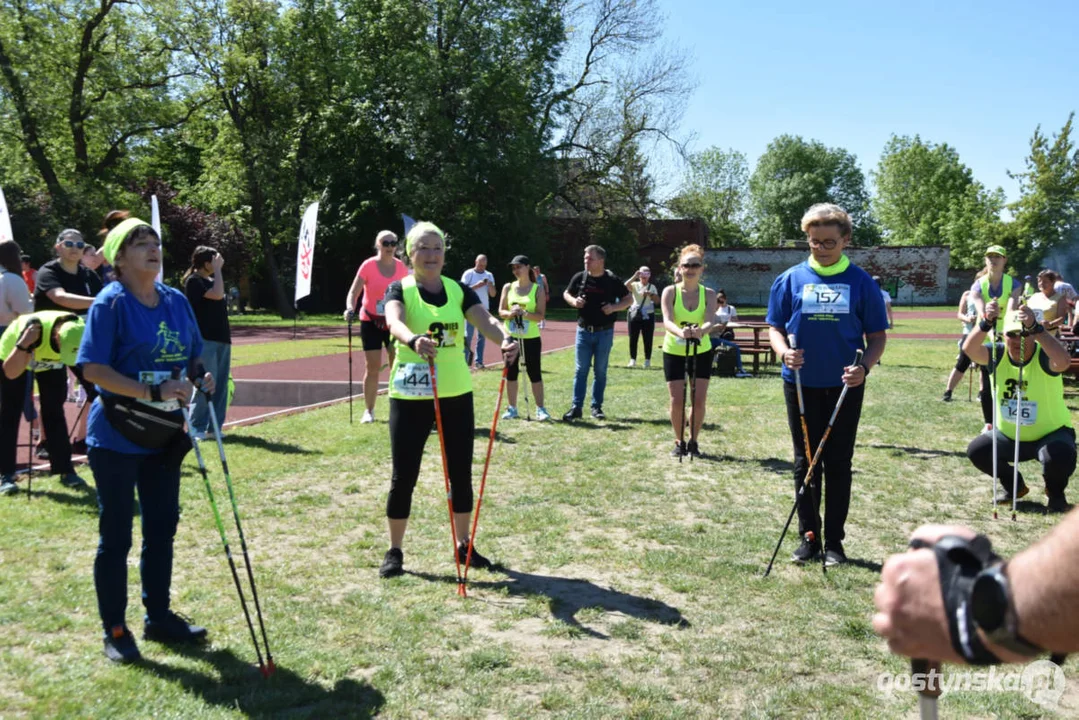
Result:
[1012,323]
[643,270]
[520,260]
[996,250]
[70,335]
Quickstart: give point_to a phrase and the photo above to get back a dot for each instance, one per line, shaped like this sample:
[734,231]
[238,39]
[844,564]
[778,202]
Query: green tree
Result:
[716,188]
[84,84]
[794,174]
[1047,212]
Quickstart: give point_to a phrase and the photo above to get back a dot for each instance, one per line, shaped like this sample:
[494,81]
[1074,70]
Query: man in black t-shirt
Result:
[598,295]
[64,284]
[204,286]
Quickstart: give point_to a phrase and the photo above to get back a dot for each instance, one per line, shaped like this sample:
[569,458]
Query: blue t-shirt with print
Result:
[830,315]
[140,342]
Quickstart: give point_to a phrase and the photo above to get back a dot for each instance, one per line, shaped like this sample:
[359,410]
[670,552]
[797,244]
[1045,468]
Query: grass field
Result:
[631,585]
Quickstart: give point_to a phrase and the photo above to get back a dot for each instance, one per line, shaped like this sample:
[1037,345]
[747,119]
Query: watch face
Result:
[988,603]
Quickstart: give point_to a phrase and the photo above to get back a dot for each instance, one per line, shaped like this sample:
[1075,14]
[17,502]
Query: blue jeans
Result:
[480,343]
[217,357]
[591,347]
[116,476]
[737,350]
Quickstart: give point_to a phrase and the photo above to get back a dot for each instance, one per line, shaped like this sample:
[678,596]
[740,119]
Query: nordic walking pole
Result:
[1018,422]
[483,481]
[445,472]
[812,465]
[523,374]
[801,402]
[692,368]
[30,415]
[271,667]
[224,540]
[929,670]
[682,423]
[350,316]
[994,358]
[970,384]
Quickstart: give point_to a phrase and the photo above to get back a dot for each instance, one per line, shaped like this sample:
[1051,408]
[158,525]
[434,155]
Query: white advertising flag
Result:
[5,220]
[305,254]
[155,221]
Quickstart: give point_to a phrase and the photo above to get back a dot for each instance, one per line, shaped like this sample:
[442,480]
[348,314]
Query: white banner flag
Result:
[5,220]
[305,254]
[155,221]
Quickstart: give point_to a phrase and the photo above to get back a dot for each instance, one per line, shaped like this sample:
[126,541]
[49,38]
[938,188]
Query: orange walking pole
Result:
[483,481]
[446,474]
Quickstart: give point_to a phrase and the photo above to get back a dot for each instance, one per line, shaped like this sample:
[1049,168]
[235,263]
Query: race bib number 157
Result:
[833,299]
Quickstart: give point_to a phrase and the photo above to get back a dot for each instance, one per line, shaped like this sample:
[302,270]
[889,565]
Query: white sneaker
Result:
[542,414]
[368,417]
[200,435]
[648,363]
[631,363]
[743,374]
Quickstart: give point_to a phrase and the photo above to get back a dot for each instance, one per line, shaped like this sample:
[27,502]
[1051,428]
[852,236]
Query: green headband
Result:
[116,238]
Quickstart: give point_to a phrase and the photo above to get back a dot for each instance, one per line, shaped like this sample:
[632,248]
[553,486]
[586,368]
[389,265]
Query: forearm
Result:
[70,301]
[488,325]
[16,363]
[1059,360]
[570,299]
[1045,590]
[974,347]
[217,292]
[778,340]
[111,380]
[874,348]
[350,300]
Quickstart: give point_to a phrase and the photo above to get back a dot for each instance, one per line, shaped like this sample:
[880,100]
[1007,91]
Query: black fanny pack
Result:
[143,424]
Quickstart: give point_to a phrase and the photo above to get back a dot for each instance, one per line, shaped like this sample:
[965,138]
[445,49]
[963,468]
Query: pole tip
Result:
[810,536]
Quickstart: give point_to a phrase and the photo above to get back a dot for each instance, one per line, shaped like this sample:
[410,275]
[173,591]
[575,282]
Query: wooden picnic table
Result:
[756,347]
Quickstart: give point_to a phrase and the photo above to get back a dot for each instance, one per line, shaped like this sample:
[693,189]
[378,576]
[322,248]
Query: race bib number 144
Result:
[833,299]
[414,380]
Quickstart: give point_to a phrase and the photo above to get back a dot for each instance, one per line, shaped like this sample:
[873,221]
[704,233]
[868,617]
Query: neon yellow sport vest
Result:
[1043,409]
[409,377]
[674,345]
[531,327]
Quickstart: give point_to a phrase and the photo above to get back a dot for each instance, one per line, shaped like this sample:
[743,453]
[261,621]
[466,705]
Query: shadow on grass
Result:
[921,452]
[568,596]
[485,433]
[85,500]
[237,684]
[258,443]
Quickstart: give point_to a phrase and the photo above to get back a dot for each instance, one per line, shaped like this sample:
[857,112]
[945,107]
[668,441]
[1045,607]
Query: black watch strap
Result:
[155,392]
[412,342]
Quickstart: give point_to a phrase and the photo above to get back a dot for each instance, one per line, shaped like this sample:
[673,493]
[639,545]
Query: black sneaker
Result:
[947,396]
[72,480]
[808,551]
[834,555]
[393,564]
[42,452]
[679,449]
[478,561]
[78,447]
[1004,495]
[172,628]
[7,485]
[597,413]
[120,645]
[692,450]
[574,413]
[1057,503]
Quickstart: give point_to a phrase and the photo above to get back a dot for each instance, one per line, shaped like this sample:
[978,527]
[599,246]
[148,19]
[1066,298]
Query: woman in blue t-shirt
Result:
[829,304]
[140,339]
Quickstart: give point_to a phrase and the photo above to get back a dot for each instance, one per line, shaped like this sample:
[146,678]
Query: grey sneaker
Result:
[72,480]
[597,413]
[172,628]
[120,645]
[808,551]
[7,485]
[834,555]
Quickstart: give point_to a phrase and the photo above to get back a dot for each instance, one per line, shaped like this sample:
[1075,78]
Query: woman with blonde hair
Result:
[374,277]
[829,305]
[426,314]
[688,310]
[522,307]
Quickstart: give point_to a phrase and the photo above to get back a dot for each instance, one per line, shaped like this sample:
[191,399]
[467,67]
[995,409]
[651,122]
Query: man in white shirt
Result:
[887,299]
[478,278]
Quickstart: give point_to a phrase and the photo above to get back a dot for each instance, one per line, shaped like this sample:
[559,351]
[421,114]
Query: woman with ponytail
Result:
[204,286]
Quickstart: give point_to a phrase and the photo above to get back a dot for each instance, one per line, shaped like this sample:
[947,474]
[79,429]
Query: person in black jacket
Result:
[204,286]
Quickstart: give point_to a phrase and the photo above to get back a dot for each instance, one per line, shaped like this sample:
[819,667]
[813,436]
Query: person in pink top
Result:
[373,278]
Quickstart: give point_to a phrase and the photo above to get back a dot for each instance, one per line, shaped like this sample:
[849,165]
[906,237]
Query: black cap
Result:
[520,260]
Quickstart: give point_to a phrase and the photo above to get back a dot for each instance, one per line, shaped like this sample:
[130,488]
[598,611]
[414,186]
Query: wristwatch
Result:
[993,611]
[412,341]
[24,349]
[1034,329]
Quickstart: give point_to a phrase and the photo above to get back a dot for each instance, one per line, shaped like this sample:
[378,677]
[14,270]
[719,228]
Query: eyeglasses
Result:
[827,244]
[74,244]
[692,265]
[389,243]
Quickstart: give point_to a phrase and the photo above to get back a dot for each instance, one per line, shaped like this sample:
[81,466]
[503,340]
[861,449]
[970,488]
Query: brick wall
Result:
[913,275]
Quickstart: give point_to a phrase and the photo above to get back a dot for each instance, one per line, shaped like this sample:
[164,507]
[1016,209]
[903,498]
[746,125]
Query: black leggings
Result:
[962,362]
[532,347]
[835,460]
[410,425]
[645,329]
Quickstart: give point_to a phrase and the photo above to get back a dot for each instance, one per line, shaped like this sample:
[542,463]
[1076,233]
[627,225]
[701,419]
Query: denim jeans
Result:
[217,358]
[116,476]
[480,343]
[591,347]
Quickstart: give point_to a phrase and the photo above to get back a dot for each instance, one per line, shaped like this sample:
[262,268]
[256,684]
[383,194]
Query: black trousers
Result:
[1055,451]
[411,422]
[643,329]
[835,462]
[12,397]
[52,386]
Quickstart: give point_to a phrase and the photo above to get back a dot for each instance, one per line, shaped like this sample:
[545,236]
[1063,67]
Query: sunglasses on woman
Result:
[389,243]
[74,244]
[691,265]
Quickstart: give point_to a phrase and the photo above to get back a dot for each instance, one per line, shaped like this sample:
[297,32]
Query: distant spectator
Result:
[1071,297]
[887,299]
[483,282]
[29,274]
[642,314]
[94,261]
[14,298]
[204,287]
[724,335]
[1049,306]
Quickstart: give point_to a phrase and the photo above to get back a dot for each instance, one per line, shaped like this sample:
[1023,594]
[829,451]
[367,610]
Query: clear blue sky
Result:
[980,76]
